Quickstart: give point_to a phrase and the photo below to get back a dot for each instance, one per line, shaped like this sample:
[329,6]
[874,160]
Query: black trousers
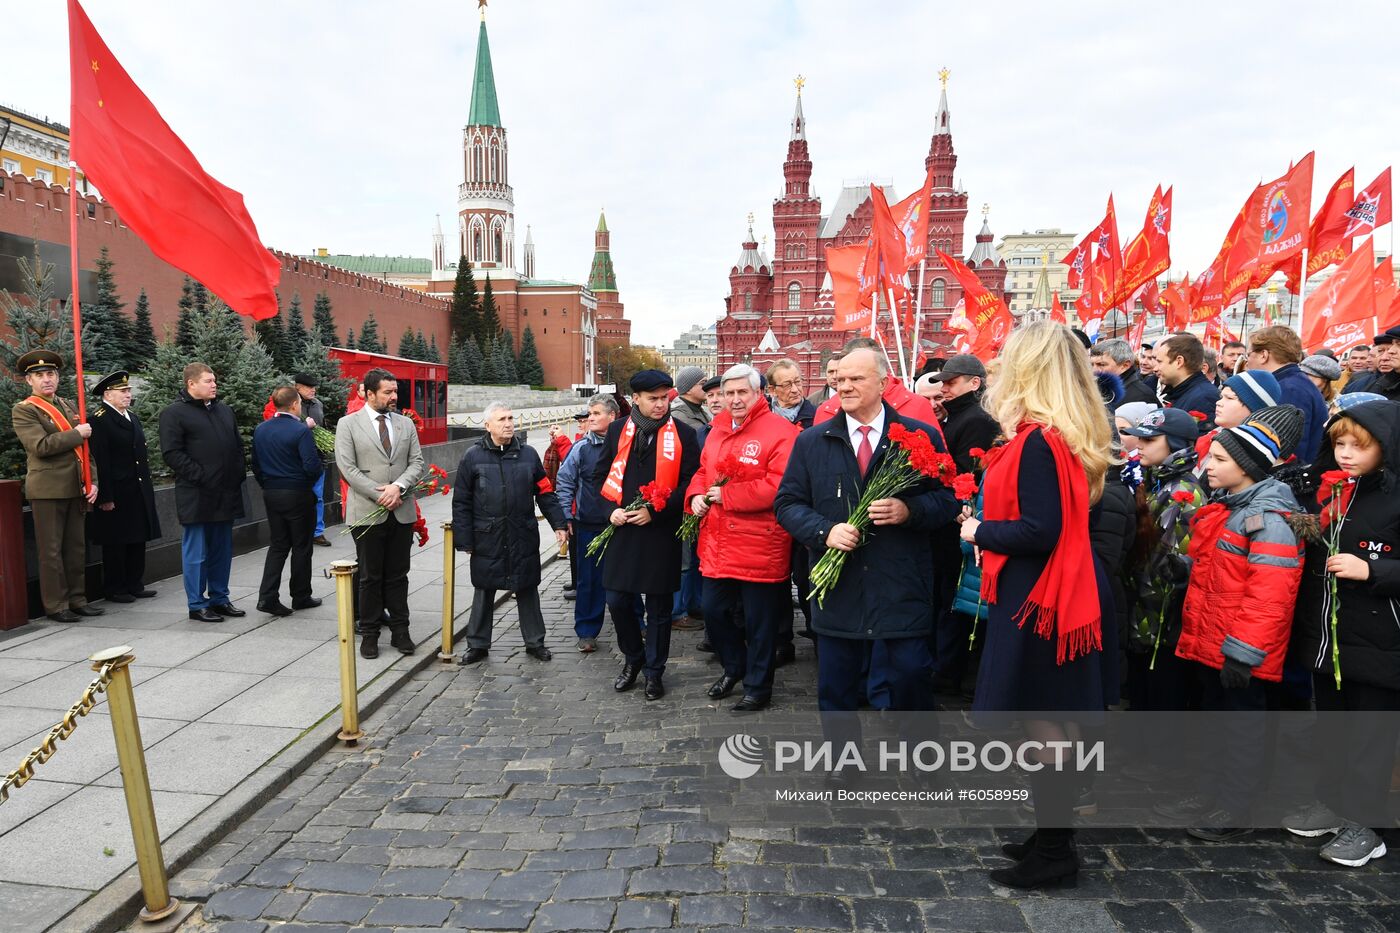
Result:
[123,568]
[527,606]
[1236,760]
[652,655]
[383,554]
[291,520]
[747,652]
[1354,780]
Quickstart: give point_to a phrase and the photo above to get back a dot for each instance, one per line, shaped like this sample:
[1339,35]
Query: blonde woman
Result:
[1045,647]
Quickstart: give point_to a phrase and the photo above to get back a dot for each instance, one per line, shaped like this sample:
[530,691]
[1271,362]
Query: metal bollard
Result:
[344,573]
[449,591]
[131,757]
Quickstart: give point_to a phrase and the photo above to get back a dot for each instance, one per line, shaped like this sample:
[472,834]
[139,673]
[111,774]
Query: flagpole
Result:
[918,317]
[898,335]
[77,314]
[1302,290]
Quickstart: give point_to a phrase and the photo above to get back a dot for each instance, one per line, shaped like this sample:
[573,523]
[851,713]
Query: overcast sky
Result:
[341,121]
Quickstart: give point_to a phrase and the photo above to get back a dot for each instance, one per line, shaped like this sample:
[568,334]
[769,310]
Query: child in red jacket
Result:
[1246,562]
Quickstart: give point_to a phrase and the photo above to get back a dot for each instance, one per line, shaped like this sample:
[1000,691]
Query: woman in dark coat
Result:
[1048,648]
[493,519]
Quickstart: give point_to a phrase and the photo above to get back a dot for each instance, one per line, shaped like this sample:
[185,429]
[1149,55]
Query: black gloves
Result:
[1235,674]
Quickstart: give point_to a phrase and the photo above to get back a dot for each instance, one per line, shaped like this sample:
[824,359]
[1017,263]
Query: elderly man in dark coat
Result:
[499,480]
[200,442]
[644,556]
[883,601]
[126,517]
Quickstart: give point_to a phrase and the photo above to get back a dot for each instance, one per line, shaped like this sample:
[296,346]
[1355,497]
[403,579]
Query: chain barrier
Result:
[22,775]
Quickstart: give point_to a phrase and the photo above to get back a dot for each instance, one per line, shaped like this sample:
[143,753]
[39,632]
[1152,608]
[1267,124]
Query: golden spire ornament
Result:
[943,74]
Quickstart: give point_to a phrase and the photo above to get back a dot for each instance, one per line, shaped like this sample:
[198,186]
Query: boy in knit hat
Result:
[1246,563]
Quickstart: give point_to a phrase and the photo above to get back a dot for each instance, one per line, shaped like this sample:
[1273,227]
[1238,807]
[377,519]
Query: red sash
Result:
[63,424]
[668,459]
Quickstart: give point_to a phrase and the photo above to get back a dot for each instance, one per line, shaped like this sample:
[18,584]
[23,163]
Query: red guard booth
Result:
[422,386]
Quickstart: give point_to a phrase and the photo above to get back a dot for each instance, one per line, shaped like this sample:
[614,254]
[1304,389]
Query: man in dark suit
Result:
[287,466]
[126,515]
[644,557]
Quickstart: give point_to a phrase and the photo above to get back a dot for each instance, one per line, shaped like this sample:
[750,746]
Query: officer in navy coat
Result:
[125,516]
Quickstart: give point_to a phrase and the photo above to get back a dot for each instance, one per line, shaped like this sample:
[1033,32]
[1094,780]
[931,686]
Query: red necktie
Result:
[864,451]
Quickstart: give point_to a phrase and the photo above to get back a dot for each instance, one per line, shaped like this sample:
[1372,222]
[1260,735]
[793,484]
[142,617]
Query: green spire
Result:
[602,278]
[485,111]
[602,223]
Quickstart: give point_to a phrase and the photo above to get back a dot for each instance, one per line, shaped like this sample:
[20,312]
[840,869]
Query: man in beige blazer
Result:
[378,454]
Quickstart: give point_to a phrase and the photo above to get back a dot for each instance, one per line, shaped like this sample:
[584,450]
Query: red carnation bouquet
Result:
[1336,489]
[435,483]
[653,494]
[911,459]
[729,469]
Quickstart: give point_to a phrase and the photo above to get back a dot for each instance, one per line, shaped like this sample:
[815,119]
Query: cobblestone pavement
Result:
[525,796]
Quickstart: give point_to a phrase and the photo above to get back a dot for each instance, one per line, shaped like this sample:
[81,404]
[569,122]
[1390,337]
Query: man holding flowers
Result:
[744,554]
[648,450]
[872,587]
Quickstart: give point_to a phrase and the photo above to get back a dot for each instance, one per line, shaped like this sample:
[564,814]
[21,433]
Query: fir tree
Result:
[369,336]
[184,335]
[505,359]
[421,342]
[350,338]
[473,358]
[465,316]
[490,373]
[323,320]
[457,372]
[143,335]
[199,297]
[434,355]
[272,334]
[490,317]
[528,366]
[104,337]
[34,320]
[408,344]
[296,339]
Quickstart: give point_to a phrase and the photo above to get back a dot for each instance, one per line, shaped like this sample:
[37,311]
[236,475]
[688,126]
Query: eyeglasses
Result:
[790,384]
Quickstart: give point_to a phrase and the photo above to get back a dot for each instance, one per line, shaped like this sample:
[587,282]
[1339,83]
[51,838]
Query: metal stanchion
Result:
[449,591]
[344,573]
[136,784]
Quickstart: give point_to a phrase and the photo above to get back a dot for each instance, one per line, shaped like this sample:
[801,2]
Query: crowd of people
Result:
[1158,528]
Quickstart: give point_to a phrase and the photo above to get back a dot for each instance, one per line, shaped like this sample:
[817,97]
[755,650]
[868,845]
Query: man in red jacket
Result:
[901,399]
[744,552]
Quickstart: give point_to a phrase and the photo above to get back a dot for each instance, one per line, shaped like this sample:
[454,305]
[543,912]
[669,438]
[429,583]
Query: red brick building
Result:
[782,307]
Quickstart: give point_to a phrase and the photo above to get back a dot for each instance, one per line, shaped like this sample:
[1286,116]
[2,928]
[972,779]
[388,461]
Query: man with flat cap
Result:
[1386,378]
[126,517]
[644,557]
[313,414]
[56,445]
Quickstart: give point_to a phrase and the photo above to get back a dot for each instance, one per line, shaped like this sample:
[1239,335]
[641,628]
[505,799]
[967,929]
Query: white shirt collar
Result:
[877,423]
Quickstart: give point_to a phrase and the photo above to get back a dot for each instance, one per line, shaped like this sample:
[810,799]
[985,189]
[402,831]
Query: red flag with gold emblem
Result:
[843,263]
[1326,243]
[1148,254]
[157,185]
[911,216]
[1340,313]
[990,321]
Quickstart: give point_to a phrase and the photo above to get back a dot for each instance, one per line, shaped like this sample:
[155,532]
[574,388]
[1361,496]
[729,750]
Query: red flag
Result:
[1326,243]
[1057,310]
[1099,245]
[1078,260]
[155,183]
[1339,314]
[1371,208]
[1140,328]
[1152,297]
[883,266]
[991,321]
[1238,256]
[1284,210]
[1178,298]
[843,263]
[911,216]
[1148,255]
[1384,283]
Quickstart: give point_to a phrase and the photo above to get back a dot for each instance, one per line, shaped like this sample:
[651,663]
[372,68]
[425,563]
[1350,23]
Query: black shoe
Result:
[121,598]
[1019,850]
[310,602]
[145,594]
[722,687]
[539,653]
[321,541]
[654,689]
[473,656]
[229,610]
[64,615]
[402,641]
[784,655]
[1184,810]
[1218,826]
[704,645]
[751,704]
[1038,870]
[204,615]
[274,609]
[88,610]
[369,646]
[627,679]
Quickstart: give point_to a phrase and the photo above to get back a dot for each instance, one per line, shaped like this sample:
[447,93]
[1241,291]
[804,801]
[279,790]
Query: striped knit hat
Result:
[1256,388]
[1264,441]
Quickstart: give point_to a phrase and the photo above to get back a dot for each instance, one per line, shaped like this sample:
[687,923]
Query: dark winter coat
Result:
[202,446]
[578,485]
[1112,531]
[647,558]
[1368,611]
[1298,390]
[118,449]
[1136,389]
[1019,669]
[1198,394]
[493,513]
[966,425]
[886,589]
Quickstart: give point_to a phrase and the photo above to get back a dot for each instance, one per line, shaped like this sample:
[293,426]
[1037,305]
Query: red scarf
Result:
[668,459]
[1059,602]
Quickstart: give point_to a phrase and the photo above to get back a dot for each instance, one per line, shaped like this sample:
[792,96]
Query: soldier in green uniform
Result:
[48,428]
[126,516]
